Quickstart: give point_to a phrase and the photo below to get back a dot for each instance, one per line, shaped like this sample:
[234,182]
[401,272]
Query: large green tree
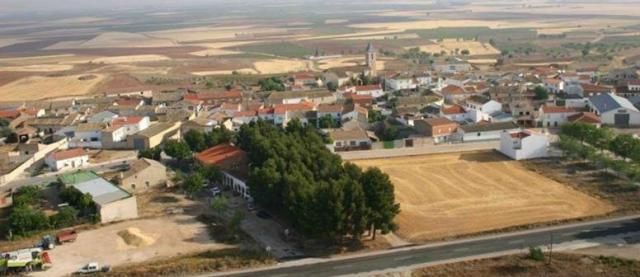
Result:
[196,140]
[380,198]
[178,149]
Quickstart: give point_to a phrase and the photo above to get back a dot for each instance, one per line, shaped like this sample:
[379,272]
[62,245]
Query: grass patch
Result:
[282,49]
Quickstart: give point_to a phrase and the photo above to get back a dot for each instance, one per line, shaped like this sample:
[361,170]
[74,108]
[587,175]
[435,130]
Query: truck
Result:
[47,243]
[27,259]
[92,267]
[66,236]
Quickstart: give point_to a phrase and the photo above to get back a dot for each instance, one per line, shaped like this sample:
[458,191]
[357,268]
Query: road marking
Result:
[570,234]
[463,249]
[342,266]
[518,241]
[403,258]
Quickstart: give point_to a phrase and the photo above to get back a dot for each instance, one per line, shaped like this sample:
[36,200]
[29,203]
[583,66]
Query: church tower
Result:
[370,59]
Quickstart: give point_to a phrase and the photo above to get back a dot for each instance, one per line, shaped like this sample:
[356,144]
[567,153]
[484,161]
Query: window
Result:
[338,143]
[352,143]
[479,134]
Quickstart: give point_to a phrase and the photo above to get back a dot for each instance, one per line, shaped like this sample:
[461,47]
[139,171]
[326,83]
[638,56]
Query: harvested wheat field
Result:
[277,66]
[447,195]
[39,87]
[450,45]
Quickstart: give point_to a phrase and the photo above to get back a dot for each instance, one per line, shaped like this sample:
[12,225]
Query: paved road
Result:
[453,250]
[52,177]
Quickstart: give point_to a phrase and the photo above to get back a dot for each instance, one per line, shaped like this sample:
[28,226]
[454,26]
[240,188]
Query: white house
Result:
[131,124]
[554,116]
[454,113]
[67,159]
[523,145]
[401,82]
[481,108]
[374,90]
[87,135]
[614,110]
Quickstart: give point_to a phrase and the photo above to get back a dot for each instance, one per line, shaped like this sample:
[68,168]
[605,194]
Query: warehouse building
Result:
[113,203]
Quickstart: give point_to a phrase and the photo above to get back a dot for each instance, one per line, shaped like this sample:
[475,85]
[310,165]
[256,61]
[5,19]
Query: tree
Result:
[24,220]
[178,150]
[376,116]
[154,153]
[541,93]
[196,140]
[210,173]
[327,121]
[67,216]
[193,184]
[219,205]
[271,84]
[217,136]
[380,199]
[236,220]
[624,145]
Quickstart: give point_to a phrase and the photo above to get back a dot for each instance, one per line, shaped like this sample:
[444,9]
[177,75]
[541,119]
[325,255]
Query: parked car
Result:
[66,236]
[93,267]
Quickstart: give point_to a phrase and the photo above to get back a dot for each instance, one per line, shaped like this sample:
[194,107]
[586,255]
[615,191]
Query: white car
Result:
[93,267]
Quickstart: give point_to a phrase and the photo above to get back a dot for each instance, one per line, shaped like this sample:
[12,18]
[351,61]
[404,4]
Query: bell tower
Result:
[370,59]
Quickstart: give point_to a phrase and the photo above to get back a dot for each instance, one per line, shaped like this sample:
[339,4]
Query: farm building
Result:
[351,139]
[113,203]
[234,164]
[486,131]
[614,110]
[523,145]
[67,159]
[554,116]
[142,175]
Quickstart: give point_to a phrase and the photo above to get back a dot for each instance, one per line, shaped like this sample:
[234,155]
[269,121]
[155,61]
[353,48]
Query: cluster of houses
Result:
[449,102]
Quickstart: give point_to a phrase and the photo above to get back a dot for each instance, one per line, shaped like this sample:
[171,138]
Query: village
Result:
[348,152]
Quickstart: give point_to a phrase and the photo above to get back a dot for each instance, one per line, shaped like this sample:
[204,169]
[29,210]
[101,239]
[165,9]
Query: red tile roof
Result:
[454,109]
[219,95]
[585,117]
[557,109]
[282,108]
[591,88]
[451,89]
[368,88]
[125,120]
[520,135]
[9,114]
[128,102]
[335,108]
[245,114]
[219,154]
[68,154]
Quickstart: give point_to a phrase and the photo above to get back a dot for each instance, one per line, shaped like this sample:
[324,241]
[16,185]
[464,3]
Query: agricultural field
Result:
[475,48]
[38,87]
[450,195]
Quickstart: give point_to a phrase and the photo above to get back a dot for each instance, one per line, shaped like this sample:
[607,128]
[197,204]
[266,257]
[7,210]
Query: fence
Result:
[4,179]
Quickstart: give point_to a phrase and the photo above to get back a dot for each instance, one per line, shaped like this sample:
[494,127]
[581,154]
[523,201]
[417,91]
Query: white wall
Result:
[60,165]
[119,210]
[609,117]
[531,147]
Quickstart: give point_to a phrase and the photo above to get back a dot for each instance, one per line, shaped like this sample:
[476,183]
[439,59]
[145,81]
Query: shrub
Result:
[536,254]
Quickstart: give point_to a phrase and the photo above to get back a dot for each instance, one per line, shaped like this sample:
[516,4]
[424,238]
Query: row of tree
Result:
[587,142]
[295,175]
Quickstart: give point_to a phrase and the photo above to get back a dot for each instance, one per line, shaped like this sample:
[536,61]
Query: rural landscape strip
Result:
[415,256]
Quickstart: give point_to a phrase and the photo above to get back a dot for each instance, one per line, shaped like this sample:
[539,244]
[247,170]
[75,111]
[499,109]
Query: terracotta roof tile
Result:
[68,154]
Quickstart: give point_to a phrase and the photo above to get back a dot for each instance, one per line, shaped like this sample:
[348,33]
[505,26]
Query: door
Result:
[408,143]
[621,120]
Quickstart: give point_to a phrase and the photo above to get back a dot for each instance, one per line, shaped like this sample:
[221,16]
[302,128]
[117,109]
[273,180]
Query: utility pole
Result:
[550,247]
